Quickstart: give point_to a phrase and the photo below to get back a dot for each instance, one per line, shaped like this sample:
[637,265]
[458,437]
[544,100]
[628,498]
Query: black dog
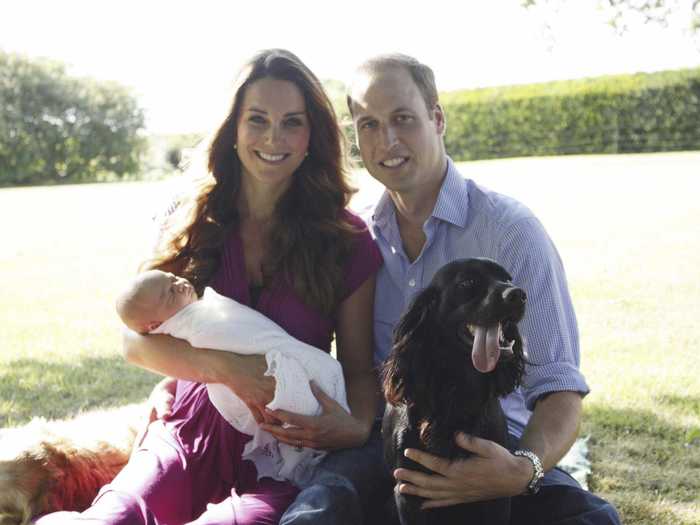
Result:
[455,352]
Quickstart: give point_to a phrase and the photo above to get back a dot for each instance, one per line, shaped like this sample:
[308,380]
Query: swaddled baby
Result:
[161,303]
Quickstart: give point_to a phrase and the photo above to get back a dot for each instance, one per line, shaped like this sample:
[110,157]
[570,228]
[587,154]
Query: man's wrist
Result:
[536,470]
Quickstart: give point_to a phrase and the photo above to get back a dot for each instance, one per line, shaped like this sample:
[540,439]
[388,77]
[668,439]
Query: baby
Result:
[159,302]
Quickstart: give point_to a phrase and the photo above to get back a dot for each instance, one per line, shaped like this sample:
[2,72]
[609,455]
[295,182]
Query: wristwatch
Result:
[533,486]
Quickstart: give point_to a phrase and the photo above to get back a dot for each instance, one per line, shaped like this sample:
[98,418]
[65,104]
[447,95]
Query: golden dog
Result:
[47,466]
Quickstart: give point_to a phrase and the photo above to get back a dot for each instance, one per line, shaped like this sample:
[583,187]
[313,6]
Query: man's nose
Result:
[388,136]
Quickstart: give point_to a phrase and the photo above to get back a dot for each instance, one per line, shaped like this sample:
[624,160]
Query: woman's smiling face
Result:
[273,132]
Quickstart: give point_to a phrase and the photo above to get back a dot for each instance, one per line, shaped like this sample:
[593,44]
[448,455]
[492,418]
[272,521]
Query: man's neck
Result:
[412,210]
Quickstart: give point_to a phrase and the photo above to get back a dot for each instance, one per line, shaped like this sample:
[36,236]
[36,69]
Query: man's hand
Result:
[492,472]
[333,429]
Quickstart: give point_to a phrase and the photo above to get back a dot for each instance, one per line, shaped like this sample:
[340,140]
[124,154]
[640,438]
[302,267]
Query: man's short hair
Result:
[421,74]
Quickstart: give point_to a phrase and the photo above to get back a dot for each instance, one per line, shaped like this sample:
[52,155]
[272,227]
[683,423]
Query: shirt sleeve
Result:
[364,260]
[549,327]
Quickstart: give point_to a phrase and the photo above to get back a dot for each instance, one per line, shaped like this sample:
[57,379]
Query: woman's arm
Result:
[335,428]
[355,348]
[167,355]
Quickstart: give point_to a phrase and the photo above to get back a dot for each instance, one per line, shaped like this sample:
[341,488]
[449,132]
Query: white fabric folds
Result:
[220,323]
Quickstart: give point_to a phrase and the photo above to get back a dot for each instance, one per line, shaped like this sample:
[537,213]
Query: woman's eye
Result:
[256,119]
[293,123]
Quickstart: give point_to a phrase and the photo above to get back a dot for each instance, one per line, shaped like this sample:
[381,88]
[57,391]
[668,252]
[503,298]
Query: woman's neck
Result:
[257,204]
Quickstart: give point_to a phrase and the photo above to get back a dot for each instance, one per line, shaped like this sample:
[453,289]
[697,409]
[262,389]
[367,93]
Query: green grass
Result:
[626,228]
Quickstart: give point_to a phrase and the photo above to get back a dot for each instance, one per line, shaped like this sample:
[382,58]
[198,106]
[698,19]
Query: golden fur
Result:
[60,465]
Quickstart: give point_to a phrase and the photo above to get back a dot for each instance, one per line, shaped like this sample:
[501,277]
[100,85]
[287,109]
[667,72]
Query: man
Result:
[430,215]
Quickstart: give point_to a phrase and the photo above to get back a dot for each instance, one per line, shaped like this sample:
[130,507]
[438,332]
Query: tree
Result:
[56,128]
[652,11]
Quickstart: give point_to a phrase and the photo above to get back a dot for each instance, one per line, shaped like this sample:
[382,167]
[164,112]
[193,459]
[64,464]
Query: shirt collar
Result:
[451,204]
[453,199]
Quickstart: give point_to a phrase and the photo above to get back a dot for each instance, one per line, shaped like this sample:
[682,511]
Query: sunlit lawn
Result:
[627,228]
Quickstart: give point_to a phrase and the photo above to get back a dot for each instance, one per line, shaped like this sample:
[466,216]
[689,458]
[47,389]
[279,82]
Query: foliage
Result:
[620,12]
[57,128]
[614,114]
[337,92]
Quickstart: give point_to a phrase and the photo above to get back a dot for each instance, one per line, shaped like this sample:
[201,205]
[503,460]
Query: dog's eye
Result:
[466,284]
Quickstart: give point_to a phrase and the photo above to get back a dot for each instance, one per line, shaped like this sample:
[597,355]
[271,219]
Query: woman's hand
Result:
[245,376]
[160,402]
[333,429]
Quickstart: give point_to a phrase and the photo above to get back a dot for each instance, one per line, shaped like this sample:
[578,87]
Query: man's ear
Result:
[440,121]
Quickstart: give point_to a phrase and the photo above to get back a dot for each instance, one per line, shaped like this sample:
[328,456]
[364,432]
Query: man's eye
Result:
[403,119]
[370,124]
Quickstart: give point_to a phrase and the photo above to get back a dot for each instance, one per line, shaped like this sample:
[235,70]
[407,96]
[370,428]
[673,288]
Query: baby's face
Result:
[169,294]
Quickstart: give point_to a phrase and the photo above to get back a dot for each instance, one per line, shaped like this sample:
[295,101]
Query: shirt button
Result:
[412,283]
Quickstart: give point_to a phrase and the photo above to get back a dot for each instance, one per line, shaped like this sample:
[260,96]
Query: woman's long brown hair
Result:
[310,238]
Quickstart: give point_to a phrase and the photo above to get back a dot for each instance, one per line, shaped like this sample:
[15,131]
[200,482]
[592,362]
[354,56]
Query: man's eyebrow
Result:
[401,109]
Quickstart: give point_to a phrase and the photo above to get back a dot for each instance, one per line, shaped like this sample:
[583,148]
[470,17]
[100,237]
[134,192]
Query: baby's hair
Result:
[135,308]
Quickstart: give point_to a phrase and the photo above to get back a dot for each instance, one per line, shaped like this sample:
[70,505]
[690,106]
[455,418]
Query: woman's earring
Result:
[235,146]
[306,154]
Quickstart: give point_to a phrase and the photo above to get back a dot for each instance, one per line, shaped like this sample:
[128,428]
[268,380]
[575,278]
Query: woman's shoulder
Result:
[353,219]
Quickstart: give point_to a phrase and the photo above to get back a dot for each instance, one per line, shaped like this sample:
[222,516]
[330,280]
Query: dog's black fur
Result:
[433,389]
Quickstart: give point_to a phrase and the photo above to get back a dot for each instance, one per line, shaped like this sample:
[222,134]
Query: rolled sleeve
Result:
[549,327]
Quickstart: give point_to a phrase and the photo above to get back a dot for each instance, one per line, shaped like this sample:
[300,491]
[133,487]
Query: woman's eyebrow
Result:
[288,114]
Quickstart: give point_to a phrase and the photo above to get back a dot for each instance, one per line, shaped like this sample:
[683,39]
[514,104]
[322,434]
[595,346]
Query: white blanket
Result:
[221,323]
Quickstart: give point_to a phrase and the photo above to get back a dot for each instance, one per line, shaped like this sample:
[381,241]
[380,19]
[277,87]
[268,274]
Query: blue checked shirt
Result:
[471,221]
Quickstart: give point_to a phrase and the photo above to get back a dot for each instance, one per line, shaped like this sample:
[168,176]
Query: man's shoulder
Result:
[495,208]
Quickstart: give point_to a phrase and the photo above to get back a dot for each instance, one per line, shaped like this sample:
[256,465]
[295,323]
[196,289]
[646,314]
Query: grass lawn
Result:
[626,228]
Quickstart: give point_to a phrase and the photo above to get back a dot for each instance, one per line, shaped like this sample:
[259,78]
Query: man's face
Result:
[400,140]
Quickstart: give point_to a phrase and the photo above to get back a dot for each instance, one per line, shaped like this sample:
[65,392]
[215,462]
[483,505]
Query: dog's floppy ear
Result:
[418,316]
[409,337]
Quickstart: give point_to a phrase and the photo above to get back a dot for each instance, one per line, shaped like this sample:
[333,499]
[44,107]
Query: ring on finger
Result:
[299,446]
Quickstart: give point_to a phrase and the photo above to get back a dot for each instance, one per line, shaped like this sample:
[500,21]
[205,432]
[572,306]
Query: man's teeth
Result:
[392,163]
[270,158]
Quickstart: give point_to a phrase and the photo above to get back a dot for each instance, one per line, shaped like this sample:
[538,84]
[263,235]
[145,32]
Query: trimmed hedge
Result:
[612,114]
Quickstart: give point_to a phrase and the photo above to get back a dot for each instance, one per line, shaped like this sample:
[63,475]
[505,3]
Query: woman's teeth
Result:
[270,158]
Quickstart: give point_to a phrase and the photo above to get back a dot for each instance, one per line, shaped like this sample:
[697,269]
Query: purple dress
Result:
[189,468]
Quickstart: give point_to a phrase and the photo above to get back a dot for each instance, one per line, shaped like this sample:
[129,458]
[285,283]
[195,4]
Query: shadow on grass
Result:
[644,463]
[30,387]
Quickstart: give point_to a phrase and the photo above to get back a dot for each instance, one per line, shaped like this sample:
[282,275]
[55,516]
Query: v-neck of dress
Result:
[239,254]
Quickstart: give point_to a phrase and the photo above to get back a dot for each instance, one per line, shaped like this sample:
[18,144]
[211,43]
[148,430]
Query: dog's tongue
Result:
[485,352]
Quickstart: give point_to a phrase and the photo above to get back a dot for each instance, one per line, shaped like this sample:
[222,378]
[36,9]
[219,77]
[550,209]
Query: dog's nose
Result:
[514,296]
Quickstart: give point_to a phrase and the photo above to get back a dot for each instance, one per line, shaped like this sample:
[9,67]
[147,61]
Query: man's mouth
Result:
[271,158]
[394,162]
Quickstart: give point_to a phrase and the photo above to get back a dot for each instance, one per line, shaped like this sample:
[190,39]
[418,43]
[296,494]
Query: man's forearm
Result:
[553,427]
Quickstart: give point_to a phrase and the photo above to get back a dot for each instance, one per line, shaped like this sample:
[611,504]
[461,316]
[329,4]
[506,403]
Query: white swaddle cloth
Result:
[220,323]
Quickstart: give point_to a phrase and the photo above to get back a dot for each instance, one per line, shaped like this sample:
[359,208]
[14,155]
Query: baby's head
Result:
[153,297]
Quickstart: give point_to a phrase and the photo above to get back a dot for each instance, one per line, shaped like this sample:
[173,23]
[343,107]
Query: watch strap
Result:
[538,472]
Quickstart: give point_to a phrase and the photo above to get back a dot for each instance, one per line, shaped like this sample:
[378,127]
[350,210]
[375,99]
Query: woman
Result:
[269,229]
